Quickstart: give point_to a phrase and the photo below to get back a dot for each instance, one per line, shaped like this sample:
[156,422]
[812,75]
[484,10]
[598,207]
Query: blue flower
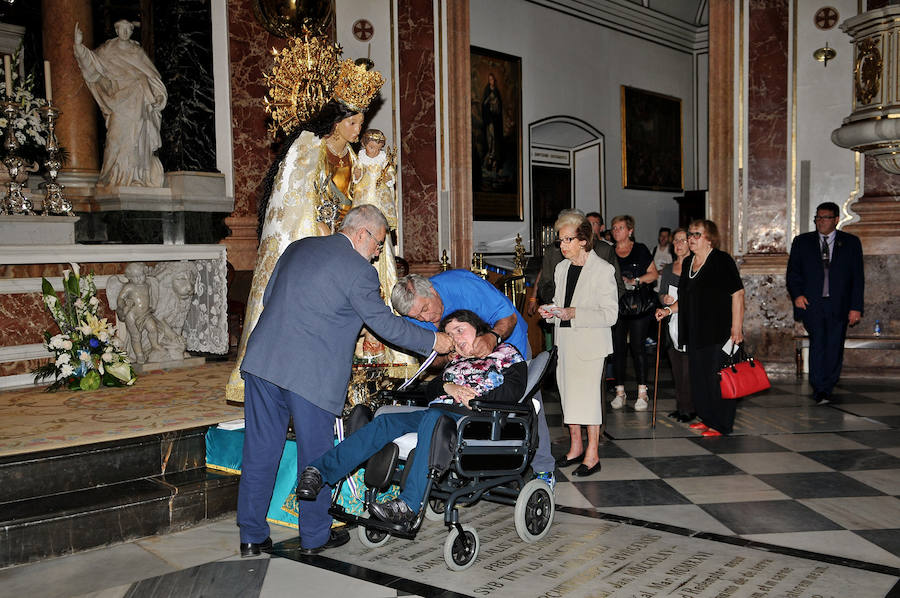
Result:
[94,343]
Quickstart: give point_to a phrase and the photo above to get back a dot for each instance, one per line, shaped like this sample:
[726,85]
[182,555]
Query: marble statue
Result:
[177,282]
[151,306]
[131,96]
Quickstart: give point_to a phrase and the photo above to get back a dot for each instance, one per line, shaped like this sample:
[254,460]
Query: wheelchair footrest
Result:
[340,514]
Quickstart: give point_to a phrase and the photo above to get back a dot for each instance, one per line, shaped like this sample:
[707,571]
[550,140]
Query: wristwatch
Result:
[499,338]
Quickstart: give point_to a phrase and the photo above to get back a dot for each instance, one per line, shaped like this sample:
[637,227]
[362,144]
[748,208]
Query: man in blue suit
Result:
[825,281]
[298,363]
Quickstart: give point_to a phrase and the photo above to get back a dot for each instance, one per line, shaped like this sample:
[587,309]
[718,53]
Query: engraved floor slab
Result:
[586,556]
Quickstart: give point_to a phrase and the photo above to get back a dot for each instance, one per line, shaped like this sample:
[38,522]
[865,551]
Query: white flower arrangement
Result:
[29,126]
[85,353]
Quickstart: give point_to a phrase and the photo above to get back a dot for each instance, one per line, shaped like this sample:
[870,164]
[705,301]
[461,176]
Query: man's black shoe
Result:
[338,537]
[310,484]
[254,548]
[822,398]
[394,511]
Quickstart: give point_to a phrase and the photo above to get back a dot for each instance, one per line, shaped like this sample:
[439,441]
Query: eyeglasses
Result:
[695,234]
[816,218]
[680,241]
[567,239]
[380,244]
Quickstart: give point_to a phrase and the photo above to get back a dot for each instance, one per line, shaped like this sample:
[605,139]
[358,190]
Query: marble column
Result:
[721,120]
[459,74]
[418,134]
[765,226]
[249,46]
[77,127]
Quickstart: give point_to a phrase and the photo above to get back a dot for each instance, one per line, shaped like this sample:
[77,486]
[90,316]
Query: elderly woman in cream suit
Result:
[584,309]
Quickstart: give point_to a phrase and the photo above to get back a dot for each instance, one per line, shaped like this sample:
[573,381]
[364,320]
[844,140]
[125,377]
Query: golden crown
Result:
[356,86]
[302,80]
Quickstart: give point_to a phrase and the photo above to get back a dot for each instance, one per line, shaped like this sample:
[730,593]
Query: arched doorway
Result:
[567,170]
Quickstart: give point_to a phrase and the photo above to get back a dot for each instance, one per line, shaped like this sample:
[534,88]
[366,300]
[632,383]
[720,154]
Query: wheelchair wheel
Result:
[434,509]
[372,538]
[460,552]
[534,511]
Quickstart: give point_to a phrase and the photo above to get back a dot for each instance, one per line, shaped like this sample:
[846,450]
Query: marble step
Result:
[37,474]
[57,524]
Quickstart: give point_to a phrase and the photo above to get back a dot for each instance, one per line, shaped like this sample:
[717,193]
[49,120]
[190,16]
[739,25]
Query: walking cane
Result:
[656,374]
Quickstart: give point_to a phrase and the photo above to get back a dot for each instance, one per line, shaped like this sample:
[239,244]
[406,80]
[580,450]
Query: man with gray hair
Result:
[298,363]
[426,300]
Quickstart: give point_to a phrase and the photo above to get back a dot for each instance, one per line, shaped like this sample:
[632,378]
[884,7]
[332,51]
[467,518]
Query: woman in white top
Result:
[585,307]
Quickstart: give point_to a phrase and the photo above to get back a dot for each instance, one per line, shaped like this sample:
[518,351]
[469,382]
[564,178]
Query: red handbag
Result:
[743,377]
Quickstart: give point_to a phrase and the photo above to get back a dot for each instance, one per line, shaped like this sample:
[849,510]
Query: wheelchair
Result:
[484,455]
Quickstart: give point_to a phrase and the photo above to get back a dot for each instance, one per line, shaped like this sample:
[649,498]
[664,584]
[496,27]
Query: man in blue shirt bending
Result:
[426,300]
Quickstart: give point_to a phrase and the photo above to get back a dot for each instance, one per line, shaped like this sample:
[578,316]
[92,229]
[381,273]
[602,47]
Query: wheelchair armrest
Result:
[486,406]
[415,396]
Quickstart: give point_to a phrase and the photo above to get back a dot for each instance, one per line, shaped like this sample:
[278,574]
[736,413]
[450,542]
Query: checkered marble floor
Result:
[819,478]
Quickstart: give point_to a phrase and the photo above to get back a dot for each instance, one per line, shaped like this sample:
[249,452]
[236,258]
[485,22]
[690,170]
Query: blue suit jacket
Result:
[806,277]
[320,294]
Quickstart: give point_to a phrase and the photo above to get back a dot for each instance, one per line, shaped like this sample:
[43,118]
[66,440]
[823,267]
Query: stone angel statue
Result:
[151,306]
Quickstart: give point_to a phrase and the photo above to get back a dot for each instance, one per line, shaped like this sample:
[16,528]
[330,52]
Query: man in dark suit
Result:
[825,281]
[298,363]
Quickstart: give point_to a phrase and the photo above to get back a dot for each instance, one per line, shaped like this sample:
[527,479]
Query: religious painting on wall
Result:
[496,135]
[651,141]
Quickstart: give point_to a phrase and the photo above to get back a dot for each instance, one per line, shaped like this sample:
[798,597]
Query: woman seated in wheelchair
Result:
[501,377]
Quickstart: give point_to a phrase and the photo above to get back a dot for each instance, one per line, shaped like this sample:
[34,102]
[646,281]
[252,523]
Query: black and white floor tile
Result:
[802,500]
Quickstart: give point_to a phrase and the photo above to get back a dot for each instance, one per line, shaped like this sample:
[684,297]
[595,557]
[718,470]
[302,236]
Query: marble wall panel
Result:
[769,325]
[418,130]
[182,35]
[765,220]
[249,46]
[23,318]
[879,183]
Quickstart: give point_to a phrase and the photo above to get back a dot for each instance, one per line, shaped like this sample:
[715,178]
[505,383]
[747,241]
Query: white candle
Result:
[8,70]
[47,84]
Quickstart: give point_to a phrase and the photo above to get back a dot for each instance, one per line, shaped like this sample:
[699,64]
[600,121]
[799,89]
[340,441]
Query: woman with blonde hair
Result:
[584,308]
[637,267]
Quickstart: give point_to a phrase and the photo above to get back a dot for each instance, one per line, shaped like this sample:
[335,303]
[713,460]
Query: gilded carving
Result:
[867,72]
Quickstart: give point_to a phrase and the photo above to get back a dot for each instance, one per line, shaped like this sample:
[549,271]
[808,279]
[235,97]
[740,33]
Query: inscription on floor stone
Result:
[583,556]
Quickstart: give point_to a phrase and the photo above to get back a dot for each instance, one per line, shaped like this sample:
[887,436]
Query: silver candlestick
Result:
[55,201]
[15,201]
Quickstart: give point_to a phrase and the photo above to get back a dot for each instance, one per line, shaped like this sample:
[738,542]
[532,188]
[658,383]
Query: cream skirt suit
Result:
[584,346]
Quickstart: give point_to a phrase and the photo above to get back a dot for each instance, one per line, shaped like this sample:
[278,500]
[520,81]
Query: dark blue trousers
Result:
[368,440]
[267,409]
[827,331]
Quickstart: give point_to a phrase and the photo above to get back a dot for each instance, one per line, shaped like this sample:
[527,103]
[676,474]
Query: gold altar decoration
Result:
[302,80]
[356,85]
[368,379]
[285,18]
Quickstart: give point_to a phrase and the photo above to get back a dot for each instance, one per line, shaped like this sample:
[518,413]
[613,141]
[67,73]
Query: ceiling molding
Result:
[633,19]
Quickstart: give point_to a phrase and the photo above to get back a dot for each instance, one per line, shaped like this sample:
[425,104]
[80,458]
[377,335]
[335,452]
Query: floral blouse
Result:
[501,376]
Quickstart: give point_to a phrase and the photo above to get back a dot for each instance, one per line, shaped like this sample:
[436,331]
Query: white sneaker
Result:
[641,403]
[619,401]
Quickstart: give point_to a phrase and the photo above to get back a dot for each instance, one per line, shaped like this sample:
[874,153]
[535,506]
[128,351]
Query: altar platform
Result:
[86,469]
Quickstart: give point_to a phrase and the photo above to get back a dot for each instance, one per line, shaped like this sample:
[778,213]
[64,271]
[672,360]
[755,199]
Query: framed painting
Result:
[496,135]
[651,141]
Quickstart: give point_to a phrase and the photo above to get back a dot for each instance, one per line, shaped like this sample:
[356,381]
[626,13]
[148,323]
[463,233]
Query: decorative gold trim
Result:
[794,224]
[867,70]
[846,218]
[439,22]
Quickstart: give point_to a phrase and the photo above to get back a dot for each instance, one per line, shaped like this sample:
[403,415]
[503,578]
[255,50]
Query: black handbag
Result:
[638,301]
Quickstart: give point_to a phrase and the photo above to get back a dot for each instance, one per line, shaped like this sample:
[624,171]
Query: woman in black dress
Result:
[711,304]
